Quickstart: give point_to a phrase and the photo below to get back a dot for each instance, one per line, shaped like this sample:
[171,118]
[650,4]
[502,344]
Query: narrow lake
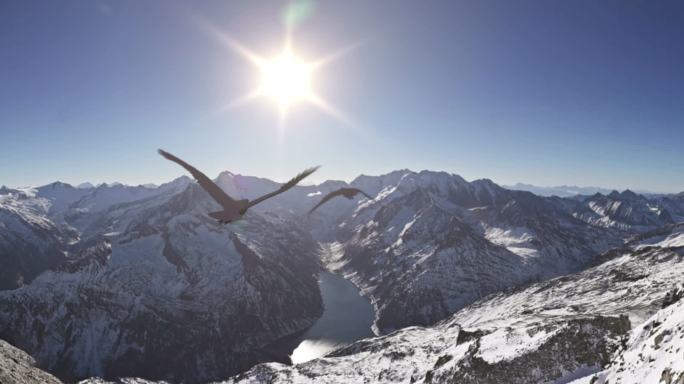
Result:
[347,317]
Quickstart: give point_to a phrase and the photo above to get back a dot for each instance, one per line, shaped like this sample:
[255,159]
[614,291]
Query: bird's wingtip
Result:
[163,153]
[367,195]
[306,173]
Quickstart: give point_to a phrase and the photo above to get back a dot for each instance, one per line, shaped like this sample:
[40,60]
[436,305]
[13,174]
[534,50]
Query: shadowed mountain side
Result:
[178,298]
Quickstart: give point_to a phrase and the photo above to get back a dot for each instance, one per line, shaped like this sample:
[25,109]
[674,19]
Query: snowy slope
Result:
[30,243]
[147,285]
[163,292]
[550,332]
[653,353]
[60,196]
[432,243]
[627,211]
[85,211]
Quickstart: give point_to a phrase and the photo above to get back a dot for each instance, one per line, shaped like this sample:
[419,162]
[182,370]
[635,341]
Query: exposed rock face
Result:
[17,367]
[574,345]
[653,353]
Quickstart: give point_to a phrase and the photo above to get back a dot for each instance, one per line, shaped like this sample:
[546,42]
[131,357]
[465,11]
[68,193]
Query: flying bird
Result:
[232,209]
[349,193]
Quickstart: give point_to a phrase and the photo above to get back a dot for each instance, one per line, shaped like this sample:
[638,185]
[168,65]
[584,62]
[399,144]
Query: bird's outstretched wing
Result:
[347,192]
[214,190]
[294,181]
[326,198]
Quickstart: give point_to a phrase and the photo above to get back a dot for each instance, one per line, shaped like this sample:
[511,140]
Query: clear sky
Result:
[546,92]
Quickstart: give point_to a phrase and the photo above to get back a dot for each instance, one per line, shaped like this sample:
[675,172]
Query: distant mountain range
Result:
[568,190]
[117,280]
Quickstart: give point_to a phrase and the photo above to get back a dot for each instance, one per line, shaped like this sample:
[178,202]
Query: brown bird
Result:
[232,209]
[349,193]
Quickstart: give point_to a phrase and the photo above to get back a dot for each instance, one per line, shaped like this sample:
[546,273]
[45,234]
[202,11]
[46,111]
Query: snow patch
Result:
[517,240]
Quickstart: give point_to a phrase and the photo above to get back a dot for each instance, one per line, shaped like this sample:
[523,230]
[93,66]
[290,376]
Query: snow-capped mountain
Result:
[674,204]
[431,243]
[30,243]
[627,211]
[60,196]
[144,284]
[155,288]
[293,203]
[560,191]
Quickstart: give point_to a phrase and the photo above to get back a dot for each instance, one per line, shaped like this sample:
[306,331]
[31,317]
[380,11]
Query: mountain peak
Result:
[628,194]
[390,175]
[57,184]
[85,185]
[226,174]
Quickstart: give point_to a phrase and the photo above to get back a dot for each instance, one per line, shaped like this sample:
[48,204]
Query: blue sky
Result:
[545,92]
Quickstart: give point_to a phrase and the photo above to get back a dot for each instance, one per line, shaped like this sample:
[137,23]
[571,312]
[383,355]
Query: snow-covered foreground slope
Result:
[549,332]
[654,352]
[449,354]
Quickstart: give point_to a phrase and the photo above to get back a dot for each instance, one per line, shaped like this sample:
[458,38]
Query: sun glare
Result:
[286,79]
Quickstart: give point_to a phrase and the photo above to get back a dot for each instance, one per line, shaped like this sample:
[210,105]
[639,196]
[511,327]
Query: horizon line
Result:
[319,182]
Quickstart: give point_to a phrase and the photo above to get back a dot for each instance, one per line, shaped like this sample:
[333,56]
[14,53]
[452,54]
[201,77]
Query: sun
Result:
[286,79]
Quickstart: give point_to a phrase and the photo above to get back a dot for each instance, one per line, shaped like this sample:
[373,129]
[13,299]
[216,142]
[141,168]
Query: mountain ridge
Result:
[428,245]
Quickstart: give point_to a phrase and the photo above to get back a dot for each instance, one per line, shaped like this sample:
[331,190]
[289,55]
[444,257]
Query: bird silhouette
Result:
[349,193]
[232,209]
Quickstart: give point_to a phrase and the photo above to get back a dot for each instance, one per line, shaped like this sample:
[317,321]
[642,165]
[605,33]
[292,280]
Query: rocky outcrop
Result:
[653,353]
[575,345]
[17,367]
